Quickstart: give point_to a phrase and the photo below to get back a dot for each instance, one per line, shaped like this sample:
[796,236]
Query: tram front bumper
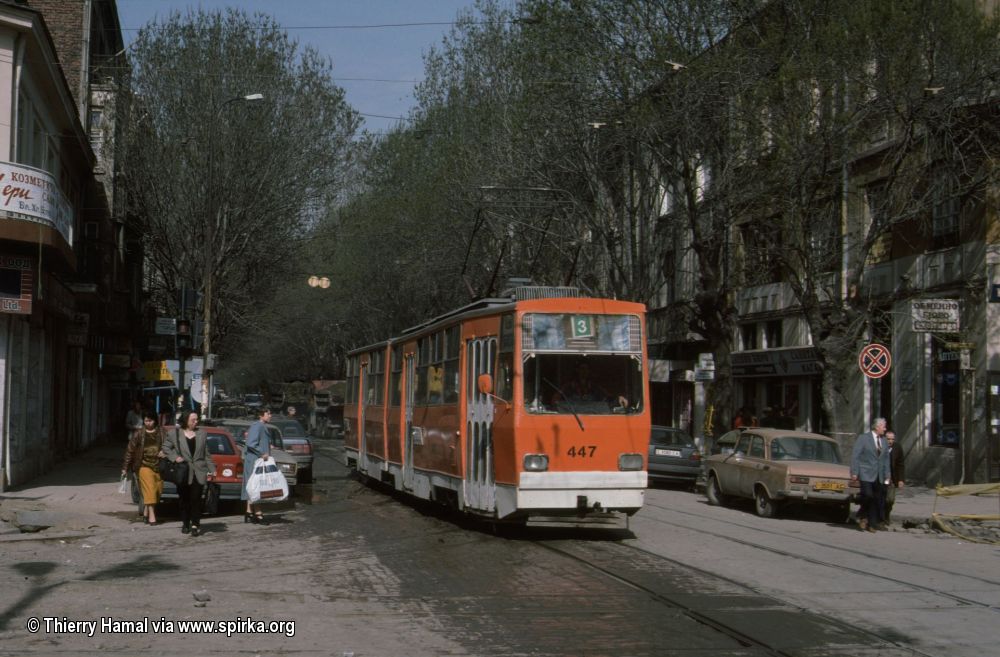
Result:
[581,492]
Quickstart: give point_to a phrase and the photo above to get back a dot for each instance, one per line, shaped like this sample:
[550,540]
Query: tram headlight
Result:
[630,461]
[536,462]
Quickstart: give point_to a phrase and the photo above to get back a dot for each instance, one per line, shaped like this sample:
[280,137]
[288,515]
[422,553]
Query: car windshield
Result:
[291,428]
[671,438]
[219,444]
[585,385]
[802,448]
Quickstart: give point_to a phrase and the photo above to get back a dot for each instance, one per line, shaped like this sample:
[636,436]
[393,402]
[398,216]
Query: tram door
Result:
[480,485]
[408,376]
[362,430]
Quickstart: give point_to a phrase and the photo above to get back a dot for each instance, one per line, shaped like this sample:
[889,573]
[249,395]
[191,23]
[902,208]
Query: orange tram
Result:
[528,408]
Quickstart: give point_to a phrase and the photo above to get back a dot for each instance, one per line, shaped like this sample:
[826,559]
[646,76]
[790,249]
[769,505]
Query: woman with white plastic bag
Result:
[266,483]
[258,446]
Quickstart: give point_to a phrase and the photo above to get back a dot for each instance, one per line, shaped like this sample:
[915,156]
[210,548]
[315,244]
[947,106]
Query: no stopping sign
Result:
[875,361]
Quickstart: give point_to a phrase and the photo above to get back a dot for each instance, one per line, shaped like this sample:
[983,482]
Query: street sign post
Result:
[875,360]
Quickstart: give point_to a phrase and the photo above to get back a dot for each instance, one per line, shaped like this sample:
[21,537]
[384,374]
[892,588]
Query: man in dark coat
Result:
[896,472]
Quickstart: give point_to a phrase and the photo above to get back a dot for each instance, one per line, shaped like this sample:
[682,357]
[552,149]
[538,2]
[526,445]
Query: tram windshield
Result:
[583,385]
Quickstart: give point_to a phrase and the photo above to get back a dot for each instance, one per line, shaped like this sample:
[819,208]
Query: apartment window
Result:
[761,246]
[748,336]
[670,276]
[773,334]
[825,239]
[944,218]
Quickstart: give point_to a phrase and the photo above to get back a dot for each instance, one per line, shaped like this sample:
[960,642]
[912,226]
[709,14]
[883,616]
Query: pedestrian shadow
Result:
[40,570]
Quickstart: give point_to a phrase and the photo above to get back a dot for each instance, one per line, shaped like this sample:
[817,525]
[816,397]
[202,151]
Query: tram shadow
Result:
[589,526]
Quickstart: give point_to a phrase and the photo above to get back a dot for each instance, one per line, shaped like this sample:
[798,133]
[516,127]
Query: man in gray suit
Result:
[870,465]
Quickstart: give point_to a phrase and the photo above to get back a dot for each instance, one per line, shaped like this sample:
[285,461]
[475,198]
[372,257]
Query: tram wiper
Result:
[565,399]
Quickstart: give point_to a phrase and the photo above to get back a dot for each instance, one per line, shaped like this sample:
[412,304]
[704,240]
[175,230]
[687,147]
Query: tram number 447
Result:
[583,451]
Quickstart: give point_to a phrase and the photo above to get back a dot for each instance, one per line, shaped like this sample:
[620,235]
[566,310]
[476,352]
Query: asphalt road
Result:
[359,572]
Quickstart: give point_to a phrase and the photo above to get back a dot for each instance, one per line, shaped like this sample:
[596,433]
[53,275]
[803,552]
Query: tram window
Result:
[376,378]
[591,385]
[351,394]
[435,384]
[504,386]
[452,344]
[396,377]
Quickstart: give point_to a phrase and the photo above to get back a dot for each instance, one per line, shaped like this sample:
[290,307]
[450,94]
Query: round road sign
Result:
[875,361]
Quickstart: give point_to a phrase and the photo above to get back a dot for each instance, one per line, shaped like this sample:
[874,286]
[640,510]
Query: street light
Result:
[317,281]
[209,274]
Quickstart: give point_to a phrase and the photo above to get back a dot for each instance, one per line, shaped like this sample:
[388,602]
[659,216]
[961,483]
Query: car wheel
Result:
[714,493]
[763,504]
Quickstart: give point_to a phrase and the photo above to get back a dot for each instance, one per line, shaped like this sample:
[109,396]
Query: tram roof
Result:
[484,306]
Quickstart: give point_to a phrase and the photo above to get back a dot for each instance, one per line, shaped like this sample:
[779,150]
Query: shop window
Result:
[947,397]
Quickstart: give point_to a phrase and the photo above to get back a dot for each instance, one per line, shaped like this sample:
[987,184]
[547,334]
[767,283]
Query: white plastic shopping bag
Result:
[266,483]
[124,487]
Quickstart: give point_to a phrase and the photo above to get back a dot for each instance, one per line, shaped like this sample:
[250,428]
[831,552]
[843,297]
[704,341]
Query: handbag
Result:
[175,473]
[211,505]
[266,483]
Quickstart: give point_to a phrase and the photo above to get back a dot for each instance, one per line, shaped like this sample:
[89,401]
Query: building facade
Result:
[64,331]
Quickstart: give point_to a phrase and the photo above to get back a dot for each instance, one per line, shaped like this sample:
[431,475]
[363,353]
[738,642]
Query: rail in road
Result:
[800,556]
[641,591]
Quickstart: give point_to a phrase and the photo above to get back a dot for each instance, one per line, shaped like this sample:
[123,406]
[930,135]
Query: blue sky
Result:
[379,56]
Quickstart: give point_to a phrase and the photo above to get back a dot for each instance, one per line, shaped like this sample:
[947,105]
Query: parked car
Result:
[673,456]
[253,400]
[297,443]
[725,443]
[775,467]
[285,461]
[226,467]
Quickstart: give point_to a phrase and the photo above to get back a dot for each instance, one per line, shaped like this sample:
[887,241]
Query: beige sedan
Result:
[777,467]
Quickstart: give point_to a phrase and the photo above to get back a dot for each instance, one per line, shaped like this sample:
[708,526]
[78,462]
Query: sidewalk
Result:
[81,495]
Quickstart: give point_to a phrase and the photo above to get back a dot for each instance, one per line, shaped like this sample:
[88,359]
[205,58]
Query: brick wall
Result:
[65,21]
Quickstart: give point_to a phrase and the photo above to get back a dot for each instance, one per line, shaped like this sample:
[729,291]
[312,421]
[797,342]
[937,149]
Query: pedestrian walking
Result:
[896,473]
[188,443]
[144,451]
[258,446]
[870,466]
[133,419]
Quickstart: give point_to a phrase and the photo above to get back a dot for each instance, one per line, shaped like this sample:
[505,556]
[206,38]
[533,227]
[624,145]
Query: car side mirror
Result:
[485,384]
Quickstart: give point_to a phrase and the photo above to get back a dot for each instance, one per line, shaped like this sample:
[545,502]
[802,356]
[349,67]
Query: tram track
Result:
[788,554]
[703,618]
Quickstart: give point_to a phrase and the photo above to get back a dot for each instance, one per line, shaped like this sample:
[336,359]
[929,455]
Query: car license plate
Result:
[830,485]
[667,452]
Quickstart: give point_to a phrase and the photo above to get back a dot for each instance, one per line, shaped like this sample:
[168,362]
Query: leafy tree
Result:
[226,189]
